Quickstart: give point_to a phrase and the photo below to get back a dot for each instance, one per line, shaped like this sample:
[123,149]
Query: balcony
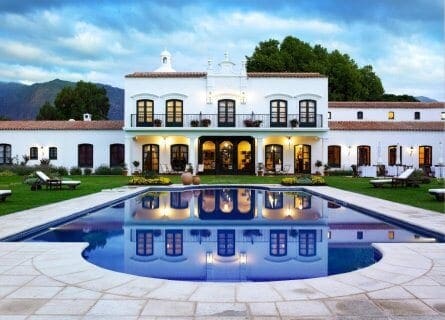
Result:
[238,121]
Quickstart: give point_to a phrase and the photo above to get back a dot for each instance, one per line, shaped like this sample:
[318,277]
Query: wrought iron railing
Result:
[238,121]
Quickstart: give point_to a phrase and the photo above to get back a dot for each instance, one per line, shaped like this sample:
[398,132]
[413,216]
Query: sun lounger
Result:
[4,194]
[395,181]
[56,183]
[438,193]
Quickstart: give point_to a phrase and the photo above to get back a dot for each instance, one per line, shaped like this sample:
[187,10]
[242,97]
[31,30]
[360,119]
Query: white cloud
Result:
[413,67]
[14,50]
[92,40]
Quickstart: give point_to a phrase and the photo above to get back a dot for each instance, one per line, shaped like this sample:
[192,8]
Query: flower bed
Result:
[303,181]
[137,180]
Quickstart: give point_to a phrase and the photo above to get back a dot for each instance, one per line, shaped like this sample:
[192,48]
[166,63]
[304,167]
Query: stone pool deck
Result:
[52,280]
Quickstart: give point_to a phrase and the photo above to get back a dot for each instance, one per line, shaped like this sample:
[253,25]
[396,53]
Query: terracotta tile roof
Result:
[388,125]
[167,75]
[62,125]
[285,75]
[386,105]
[204,74]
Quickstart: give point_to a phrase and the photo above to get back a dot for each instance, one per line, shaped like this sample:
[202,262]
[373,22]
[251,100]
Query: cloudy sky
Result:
[101,41]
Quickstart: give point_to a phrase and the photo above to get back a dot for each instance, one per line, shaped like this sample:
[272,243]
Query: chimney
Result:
[87,117]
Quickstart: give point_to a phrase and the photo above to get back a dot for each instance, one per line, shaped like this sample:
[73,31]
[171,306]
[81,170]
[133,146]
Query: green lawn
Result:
[23,198]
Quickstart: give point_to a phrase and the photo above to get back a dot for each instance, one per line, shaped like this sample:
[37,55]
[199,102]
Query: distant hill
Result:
[425,99]
[22,102]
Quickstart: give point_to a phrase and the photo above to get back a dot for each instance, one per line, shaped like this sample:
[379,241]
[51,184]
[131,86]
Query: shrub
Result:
[318,180]
[62,171]
[75,171]
[116,171]
[340,172]
[87,171]
[138,180]
[102,170]
[6,173]
[303,180]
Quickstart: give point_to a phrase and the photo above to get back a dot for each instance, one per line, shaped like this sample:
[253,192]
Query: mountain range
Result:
[22,102]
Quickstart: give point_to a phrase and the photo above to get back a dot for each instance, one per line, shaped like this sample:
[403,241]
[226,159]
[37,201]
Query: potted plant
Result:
[318,164]
[260,168]
[157,122]
[194,123]
[326,169]
[294,123]
[136,165]
[252,123]
[205,122]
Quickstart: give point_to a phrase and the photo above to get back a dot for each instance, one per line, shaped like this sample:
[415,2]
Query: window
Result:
[307,243]
[278,243]
[334,156]
[174,113]
[177,201]
[359,115]
[5,153]
[150,157]
[273,200]
[150,201]
[33,153]
[52,153]
[226,113]
[425,156]
[144,113]
[302,158]
[359,235]
[329,115]
[144,242]
[117,155]
[302,201]
[391,235]
[308,113]
[179,156]
[394,155]
[417,115]
[226,243]
[391,115]
[363,155]
[85,155]
[173,243]
[278,113]
[274,157]
[442,116]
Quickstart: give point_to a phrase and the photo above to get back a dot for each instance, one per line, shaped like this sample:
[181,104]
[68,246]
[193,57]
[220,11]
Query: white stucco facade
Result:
[225,120]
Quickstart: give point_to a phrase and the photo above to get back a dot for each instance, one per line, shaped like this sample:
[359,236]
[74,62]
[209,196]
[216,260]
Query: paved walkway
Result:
[52,281]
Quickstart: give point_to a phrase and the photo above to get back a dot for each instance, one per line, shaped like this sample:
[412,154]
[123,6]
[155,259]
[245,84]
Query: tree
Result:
[371,84]
[346,80]
[73,102]
[48,112]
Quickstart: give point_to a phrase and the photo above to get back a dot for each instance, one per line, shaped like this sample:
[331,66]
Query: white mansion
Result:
[229,121]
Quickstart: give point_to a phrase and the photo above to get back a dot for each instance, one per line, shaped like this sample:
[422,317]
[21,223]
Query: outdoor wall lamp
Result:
[209,257]
[243,97]
[243,258]
[209,97]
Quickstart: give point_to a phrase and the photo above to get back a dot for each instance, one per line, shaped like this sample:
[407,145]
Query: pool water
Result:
[229,234]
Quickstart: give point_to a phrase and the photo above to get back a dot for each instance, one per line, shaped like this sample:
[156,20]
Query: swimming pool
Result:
[229,234]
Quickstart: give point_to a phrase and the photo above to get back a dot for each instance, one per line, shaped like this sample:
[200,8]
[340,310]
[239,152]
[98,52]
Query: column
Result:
[193,151]
[128,152]
[260,151]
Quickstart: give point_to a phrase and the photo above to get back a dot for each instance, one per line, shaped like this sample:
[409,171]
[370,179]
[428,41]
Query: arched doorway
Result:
[227,155]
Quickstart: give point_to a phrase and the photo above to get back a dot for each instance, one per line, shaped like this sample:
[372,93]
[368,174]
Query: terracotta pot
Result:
[196,180]
[186,178]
